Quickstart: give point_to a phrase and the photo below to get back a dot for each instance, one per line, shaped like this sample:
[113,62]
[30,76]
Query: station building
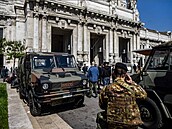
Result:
[91,30]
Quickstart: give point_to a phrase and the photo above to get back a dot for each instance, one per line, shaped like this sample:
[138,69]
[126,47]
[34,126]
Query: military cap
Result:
[122,66]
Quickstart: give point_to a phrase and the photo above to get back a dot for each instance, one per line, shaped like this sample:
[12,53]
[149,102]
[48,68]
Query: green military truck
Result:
[156,78]
[50,78]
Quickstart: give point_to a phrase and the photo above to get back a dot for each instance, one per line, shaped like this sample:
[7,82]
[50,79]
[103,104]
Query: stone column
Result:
[29,31]
[85,38]
[134,42]
[138,41]
[87,54]
[110,7]
[111,54]
[111,41]
[134,47]
[20,29]
[74,42]
[80,42]
[13,30]
[44,34]
[36,33]
[107,48]
[49,36]
[147,43]
[86,44]
[131,49]
[9,30]
[116,46]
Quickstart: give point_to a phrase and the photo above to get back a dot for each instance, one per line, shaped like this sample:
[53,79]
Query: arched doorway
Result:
[96,48]
[61,40]
[124,48]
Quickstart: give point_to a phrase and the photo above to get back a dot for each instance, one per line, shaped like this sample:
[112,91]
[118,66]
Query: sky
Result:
[156,14]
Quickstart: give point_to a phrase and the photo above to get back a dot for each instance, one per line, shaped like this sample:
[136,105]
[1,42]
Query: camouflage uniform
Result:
[119,101]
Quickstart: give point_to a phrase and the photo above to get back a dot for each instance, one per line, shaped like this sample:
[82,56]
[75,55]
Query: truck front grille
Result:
[65,85]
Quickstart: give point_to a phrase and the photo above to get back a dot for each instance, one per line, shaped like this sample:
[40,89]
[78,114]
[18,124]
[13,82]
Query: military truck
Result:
[156,78]
[47,78]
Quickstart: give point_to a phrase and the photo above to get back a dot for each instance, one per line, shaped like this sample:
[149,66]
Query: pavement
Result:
[17,116]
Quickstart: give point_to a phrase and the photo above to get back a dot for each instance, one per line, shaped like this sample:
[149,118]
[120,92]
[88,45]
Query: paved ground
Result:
[19,116]
[46,121]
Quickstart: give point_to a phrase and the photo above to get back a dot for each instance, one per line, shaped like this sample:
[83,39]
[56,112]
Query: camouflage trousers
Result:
[102,124]
[93,89]
[121,127]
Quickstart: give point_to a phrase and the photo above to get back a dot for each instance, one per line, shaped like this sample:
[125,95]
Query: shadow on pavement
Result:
[47,109]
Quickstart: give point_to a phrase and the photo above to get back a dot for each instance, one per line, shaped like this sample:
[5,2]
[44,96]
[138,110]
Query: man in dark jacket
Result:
[106,73]
[85,69]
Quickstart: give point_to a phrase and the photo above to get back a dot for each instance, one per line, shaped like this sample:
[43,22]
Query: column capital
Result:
[36,15]
[44,17]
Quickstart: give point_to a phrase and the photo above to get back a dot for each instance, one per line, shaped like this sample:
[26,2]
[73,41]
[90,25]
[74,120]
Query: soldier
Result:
[119,101]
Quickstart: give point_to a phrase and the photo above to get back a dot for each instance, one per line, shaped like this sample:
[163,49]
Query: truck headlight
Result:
[45,86]
[84,82]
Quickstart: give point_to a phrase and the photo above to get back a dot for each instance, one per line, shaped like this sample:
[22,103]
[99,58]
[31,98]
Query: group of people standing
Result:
[97,76]
[117,99]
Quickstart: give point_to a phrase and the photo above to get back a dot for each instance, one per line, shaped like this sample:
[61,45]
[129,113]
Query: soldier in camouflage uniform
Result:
[119,101]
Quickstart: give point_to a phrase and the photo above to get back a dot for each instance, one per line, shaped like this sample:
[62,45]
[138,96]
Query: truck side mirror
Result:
[144,74]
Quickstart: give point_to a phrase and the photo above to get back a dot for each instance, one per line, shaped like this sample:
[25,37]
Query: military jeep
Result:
[50,79]
[156,78]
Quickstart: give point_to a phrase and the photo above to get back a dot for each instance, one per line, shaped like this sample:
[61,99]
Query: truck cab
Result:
[156,79]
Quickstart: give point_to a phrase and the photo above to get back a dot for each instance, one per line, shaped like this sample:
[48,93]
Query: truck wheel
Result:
[20,94]
[35,109]
[150,114]
[79,101]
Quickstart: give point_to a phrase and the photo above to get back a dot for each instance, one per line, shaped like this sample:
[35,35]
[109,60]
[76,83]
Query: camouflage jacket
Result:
[119,101]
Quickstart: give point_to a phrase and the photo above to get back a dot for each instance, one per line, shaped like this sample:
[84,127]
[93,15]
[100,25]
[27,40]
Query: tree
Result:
[14,50]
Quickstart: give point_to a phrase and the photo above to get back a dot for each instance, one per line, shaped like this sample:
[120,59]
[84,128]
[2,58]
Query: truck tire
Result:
[20,94]
[79,101]
[150,114]
[35,108]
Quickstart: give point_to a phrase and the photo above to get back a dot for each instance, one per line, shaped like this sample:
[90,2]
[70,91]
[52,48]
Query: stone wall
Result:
[108,24]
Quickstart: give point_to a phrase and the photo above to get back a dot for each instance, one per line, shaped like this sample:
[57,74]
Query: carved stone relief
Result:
[63,24]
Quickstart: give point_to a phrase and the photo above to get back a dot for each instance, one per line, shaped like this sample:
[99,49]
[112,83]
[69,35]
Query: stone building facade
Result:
[91,30]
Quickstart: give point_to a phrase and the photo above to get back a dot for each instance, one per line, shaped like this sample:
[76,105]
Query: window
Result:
[160,60]
[40,62]
[65,61]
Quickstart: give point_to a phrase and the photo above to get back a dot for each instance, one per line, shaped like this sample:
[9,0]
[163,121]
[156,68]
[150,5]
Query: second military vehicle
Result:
[156,78]
[50,78]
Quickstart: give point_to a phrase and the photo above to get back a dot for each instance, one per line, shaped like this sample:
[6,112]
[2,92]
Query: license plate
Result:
[67,95]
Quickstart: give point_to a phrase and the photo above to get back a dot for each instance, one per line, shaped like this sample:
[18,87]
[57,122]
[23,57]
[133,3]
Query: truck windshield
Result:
[60,61]
[65,61]
[159,60]
[40,62]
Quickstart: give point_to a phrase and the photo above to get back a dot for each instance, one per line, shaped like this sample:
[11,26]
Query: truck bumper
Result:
[56,97]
